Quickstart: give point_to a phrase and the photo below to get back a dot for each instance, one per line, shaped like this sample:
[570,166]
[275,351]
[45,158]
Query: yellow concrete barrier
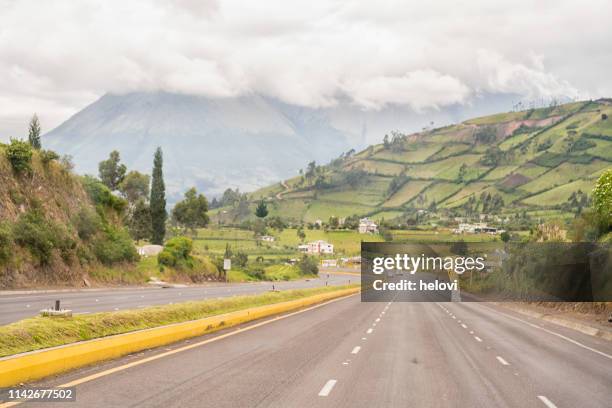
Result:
[38,364]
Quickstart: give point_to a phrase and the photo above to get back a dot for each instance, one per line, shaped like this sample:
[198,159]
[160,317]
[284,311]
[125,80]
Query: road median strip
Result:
[38,364]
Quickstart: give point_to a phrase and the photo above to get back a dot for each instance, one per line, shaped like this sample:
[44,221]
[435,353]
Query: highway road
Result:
[351,354]
[17,306]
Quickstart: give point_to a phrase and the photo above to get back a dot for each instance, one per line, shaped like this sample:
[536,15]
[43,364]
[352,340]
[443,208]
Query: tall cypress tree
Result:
[34,133]
[158,200]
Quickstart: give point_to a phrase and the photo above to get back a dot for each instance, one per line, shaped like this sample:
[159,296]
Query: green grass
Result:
[563,174]
[379,167]
[442,235]
[418,153]
[44,332]
[406,193]
[438,192]
[499,173]
[322,210]
[559,195]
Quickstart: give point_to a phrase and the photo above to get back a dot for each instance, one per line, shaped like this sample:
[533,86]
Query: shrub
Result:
[102,196]
[177,253]
[6,243]
[114,245]
[19,154]
[46,156]
[240,259]
[308,265]
[39,236]
[87,223]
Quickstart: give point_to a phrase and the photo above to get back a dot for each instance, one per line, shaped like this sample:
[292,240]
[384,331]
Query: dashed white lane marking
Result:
[546,401]
[370,331]
[453,316]
[327,388]
[471,331]
[356,350]
[363,338]
[501,360]
[464,326]
[378,319]
[478,339]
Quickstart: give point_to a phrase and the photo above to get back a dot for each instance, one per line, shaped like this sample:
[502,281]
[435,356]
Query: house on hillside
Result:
[367,226]
[267,238]
[477,228]
[317,248]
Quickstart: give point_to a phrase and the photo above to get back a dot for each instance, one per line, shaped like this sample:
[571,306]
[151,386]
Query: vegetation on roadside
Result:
[43,332]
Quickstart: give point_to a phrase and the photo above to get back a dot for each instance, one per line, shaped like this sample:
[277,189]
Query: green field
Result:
[425,166]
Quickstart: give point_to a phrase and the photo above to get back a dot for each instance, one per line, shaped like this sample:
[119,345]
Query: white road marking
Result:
[464,326]
[27,305]
[327,388]
[501,360]
[363,338]
[546,401]
[471,331]
[478,339]
[356,350]
[378,320]
[370,330]
[453,316]
[577,343]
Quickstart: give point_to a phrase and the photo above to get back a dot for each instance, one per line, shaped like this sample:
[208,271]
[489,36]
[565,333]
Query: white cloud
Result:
[57,56]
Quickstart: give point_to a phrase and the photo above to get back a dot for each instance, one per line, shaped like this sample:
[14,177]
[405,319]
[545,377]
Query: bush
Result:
[46,156]
[6,243]
[87,223]
[115,245]
[308,265]
[41,237]
[240,259]
[102,196]
[19,154]
[177,253]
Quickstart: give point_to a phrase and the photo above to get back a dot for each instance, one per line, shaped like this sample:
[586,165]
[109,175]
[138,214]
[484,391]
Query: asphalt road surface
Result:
[351,354]
[19,306]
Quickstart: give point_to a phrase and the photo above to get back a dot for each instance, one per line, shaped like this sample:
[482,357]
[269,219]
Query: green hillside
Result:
[512,162]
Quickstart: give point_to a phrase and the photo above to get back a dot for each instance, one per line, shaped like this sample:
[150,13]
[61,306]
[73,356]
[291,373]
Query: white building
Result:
[366,226]
[317,248]
[267,238]
[477,228]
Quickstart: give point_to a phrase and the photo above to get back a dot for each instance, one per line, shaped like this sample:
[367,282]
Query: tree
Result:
[34,133]
[135,186]
[111,171]
[140,221]
[301,234]
[262,209]
[158,200]
[602,201]
[505,236]
[192,211]
[333,222]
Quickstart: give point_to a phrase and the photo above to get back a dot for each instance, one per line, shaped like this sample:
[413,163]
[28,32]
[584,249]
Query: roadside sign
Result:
[227,264]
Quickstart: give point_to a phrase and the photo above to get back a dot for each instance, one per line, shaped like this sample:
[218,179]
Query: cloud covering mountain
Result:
[56,57]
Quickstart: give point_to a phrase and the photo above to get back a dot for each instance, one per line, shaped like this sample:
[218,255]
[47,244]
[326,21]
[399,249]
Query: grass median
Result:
[44,332]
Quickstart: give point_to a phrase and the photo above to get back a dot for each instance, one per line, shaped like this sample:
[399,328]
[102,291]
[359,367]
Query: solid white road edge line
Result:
[577,343]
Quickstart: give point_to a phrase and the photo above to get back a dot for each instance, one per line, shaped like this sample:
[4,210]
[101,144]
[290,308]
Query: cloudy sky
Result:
[58,56]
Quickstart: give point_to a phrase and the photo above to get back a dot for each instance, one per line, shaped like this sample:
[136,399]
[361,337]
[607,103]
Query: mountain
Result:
[244,142]
[541,161]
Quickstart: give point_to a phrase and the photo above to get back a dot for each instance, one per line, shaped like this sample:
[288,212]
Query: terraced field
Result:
[533,160]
